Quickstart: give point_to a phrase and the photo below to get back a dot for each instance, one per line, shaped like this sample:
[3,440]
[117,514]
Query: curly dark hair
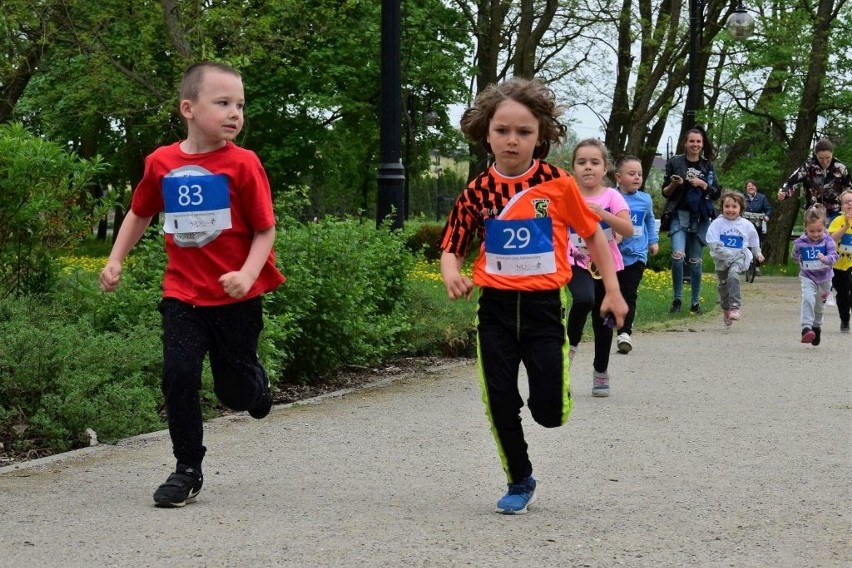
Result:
[533,94]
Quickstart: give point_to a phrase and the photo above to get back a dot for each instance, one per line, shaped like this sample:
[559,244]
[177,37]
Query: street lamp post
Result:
[740,25]
[696,28]
[391,173]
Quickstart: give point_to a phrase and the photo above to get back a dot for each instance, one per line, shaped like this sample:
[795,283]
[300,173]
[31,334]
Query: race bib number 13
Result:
[810,257]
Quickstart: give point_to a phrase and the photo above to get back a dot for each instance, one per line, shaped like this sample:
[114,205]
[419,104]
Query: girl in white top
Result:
[732,241]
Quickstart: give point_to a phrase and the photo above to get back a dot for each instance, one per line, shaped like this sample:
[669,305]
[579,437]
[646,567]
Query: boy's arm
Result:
[238,283]
[613,302]
[132,229]
[455,282]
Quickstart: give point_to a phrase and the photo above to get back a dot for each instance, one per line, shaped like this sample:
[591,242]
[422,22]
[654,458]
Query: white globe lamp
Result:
[740,25]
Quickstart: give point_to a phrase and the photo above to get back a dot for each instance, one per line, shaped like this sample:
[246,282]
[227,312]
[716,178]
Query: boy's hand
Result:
[236,284]
[110,276]
[459,286]
[613,303]
[760,258]
[653,249]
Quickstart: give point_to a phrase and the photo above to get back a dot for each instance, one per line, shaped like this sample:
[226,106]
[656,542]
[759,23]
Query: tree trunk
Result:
[785,214]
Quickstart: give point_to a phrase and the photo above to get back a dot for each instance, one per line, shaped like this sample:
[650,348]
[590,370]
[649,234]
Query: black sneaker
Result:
[262,408]
[695,309]
[808,335]
[816,340]
[675,307]
[844,327]
[180,488]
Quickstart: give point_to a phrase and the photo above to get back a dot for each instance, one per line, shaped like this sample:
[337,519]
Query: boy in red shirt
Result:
[220,230]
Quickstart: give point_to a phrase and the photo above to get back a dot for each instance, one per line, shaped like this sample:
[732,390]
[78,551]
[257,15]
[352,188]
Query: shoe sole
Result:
[166,504]
[808,337]
[600,393]
[625,348]
[520,511]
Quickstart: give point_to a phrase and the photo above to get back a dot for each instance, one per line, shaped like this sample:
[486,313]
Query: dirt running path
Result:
[717,448]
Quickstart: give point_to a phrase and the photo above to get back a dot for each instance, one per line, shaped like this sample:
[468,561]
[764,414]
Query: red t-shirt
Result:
[528,216]
[184,184]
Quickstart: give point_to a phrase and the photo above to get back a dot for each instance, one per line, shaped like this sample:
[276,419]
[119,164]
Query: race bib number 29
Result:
[196,203]
[522,247]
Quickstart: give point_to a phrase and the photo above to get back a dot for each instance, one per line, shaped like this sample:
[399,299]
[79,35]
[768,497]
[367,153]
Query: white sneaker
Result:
[830,301]
[623,343]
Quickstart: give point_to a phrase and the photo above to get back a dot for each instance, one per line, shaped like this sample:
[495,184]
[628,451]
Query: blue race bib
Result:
[519,247]
[732,241]
[196,203]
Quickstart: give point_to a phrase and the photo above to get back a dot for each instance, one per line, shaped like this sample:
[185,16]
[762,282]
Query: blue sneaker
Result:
[520,496]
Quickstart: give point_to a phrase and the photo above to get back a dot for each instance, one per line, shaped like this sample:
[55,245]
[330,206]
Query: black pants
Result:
[229,334]
[528,327]
[588,294]
[842,282]
[628,280]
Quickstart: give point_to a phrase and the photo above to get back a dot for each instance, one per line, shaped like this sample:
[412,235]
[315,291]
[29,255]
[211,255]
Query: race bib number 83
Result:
[196,203]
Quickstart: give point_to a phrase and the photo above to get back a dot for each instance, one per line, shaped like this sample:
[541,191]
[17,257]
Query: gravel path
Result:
[717,448]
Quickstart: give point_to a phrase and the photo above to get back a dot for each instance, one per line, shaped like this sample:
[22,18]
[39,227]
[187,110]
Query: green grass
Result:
[442,321]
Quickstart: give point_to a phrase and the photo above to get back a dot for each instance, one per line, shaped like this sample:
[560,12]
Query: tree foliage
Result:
[107,75]
[44,207]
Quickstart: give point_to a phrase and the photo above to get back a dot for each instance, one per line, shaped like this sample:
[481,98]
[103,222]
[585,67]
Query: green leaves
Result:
[45,205]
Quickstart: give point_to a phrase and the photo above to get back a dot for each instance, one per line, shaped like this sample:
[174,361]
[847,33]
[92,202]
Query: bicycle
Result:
[757,220]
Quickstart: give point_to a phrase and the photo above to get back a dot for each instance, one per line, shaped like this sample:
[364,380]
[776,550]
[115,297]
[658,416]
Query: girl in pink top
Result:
[590,163]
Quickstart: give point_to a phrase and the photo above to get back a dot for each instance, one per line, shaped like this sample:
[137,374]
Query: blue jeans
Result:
[687,245]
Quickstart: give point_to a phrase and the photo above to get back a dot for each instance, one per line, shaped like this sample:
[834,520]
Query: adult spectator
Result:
[757,208]
[823,177]
[690,187]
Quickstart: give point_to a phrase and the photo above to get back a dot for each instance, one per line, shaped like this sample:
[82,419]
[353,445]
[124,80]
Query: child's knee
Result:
[549,416]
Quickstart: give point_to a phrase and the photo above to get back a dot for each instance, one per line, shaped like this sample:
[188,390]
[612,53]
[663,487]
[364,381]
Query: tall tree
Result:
[310,67]
[526,38]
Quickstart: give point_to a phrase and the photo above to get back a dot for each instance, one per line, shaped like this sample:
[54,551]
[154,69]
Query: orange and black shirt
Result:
[522,223]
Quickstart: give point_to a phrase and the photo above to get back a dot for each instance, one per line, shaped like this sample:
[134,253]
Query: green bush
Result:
[425,240]
[45,205]
[59,376]
[345,296]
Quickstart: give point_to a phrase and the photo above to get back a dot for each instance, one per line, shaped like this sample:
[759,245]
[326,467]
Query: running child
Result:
[841,231]
[521,207]
[634,250]
[220,229]
[733,242]
[590,162]
[816,254]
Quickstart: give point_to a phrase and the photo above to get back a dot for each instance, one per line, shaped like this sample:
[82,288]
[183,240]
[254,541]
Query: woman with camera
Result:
[690,187]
